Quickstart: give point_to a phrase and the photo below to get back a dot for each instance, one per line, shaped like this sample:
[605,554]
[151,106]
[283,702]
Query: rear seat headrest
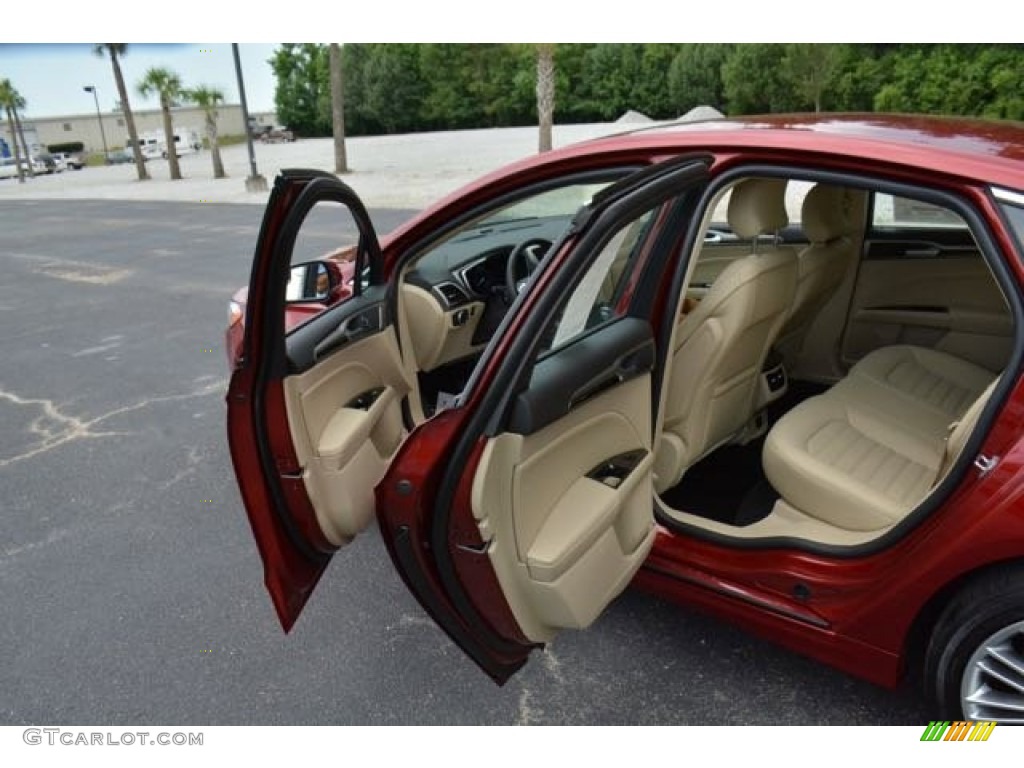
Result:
[758,207]
[825,215]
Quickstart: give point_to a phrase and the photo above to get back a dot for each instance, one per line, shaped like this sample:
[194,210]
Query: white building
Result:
[31,138]
[85,127]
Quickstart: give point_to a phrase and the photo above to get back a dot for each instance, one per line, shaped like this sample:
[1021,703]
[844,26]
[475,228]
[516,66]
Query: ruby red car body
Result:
[870,604]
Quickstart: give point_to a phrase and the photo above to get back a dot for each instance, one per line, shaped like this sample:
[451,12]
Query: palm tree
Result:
[338,109]
[7,99]
[116,50]
[167,85]
[18,102]
[208,98]
[545,93]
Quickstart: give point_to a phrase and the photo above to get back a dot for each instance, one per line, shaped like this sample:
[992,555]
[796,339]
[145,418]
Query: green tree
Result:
[208,98]
[571,86]
[935,79]
[302,94]
[18,102]
[8,97]
[390,88]
[754,82]
[611,71]
[446,69]
[354,57]
[1006,81]
[695,76]
[395,89]
[650,93]
[116,51]
[861,72]
[167,85]
[810,69]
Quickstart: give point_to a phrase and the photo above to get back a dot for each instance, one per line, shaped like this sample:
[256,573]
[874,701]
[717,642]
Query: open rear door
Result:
[528,507]
[314,412]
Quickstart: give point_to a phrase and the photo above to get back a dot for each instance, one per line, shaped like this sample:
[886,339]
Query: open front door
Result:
[528,508]
[314,409]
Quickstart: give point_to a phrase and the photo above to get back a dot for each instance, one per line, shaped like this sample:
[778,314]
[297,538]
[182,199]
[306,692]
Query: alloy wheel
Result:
[993,681]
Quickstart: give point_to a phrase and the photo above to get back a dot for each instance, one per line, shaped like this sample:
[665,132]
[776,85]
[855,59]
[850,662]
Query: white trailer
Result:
[153,143]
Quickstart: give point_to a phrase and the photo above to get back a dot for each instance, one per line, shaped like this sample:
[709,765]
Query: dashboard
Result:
[456,296]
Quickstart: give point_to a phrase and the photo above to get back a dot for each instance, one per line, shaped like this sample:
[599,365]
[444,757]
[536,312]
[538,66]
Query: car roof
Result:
[987,150]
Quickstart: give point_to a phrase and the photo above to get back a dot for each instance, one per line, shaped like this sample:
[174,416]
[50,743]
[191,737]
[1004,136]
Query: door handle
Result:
[635,363]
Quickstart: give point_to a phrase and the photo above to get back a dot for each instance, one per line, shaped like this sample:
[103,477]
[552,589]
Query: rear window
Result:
[891,212]
[1015,215]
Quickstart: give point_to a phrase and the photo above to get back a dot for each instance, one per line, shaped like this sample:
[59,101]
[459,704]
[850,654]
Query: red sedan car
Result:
[767,368]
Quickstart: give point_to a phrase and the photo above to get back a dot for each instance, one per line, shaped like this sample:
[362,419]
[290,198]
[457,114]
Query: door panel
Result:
[345,418]
[313,410]
[569,509]
[527,506]
[948,303]
[923,281]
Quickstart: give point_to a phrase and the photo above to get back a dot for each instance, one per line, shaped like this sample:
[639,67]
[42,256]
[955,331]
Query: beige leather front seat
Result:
[825,220]
[720,347]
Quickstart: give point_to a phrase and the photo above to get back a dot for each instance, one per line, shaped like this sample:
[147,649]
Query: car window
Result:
[545,214]
[322,263]
[796,191]
[595,299]
[563,201]
[1015,214]
[892,212]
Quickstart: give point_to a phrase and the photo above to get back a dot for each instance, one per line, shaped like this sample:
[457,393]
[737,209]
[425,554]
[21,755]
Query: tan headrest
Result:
[826,213]
[758,207]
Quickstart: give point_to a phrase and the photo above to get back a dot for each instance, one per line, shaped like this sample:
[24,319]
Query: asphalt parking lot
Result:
[131,588]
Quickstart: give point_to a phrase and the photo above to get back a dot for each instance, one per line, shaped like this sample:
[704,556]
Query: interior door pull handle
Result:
[631,365]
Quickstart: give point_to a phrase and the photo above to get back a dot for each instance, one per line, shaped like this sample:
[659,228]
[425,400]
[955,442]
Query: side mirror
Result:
[314,281]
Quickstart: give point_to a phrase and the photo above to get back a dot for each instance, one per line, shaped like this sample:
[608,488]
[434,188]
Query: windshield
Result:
[563,201]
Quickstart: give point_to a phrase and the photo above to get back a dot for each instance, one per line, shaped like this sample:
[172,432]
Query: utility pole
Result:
[99,118]
[254,182]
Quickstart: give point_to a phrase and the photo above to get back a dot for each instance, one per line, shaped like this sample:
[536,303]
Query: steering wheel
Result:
[522,263]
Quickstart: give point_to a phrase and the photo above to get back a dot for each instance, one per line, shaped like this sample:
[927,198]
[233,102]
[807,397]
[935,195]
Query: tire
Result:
[984,617]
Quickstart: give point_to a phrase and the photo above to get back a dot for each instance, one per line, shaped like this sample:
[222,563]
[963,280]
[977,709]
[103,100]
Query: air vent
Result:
[452,294]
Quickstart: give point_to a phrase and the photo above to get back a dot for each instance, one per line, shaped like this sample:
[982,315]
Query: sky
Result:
[51,76]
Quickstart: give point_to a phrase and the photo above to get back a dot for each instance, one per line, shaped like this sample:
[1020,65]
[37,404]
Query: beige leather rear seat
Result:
[938,386]
[865,453]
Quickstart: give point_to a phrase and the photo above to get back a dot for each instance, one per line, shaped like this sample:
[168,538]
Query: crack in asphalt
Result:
[193,459]
[54,428]
[51,538]
[527,715]
[552,664]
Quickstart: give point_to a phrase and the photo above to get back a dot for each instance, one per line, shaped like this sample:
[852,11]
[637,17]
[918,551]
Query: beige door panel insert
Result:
[564,544]
[345,419]
[952,304]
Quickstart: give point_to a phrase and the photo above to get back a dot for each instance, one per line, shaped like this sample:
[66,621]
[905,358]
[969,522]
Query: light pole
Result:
[99,118]
[255,182]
